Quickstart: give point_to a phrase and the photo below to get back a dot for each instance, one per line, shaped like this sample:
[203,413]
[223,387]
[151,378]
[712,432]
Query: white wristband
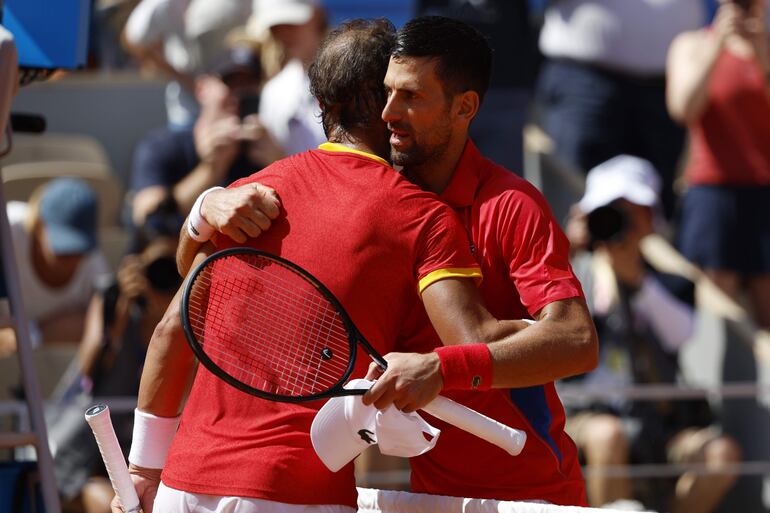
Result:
[197,227]
[152,439]
[528,321]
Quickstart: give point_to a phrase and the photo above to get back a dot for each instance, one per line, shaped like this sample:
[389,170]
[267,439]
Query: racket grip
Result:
[507,438]
[98,417]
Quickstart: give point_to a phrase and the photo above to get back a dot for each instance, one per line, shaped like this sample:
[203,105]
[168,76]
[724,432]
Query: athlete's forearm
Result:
[186,250]
[560,344]
[169,367]
[170,364]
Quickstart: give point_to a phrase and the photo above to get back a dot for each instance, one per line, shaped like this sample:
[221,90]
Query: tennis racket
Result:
[269,328]
[98,417]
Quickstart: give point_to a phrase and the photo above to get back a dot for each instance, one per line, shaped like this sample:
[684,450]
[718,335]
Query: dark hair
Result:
[347,74]
[463,54]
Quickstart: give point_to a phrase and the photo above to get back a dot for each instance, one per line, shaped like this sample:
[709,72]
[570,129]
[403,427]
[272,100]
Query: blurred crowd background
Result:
[646,123]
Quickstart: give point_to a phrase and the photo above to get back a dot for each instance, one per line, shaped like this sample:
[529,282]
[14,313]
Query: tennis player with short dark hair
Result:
[436,80]
[378,242]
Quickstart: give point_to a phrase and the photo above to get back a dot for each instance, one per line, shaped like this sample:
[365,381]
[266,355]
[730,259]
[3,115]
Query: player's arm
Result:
[501,354]
[241,213]
[167,375]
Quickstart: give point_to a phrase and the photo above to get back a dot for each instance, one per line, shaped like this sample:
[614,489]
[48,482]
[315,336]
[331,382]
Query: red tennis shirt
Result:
[374,239]
[524,259]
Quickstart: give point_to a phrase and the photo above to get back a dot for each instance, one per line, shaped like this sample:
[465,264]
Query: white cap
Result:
[270,13]
[624,176]
[344,427]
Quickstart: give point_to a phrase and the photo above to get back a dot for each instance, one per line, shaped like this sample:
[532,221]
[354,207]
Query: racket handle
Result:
[98,417]
[507,438]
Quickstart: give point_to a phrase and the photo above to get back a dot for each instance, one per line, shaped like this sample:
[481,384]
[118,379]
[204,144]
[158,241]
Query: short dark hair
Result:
[347,74]
[463,54]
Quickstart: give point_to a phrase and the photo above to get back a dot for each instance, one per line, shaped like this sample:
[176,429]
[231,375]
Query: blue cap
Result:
[68,207]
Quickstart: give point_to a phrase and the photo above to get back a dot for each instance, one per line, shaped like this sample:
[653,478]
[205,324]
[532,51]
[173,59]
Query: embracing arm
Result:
[241,213]
[561,343]
[167,375]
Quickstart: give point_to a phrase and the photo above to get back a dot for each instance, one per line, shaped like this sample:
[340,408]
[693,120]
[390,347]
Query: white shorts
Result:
[170,500]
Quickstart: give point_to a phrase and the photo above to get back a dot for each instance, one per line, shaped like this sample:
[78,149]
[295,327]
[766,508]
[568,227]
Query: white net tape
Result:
[388,501]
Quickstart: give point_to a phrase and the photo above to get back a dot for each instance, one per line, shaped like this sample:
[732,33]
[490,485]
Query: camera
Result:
[607,223]
[248,104]
[162,274]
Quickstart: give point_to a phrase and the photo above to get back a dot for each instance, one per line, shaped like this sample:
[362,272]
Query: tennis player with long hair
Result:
[374,240]
[436,80]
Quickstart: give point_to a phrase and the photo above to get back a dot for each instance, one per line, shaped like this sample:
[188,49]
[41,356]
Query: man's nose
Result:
[391,111]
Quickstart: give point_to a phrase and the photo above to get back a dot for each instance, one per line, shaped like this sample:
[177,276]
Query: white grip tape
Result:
[197,227]
[152,439]
[507,438]
[98,417]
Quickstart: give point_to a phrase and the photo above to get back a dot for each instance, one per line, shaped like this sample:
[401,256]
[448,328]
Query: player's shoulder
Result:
[502,188]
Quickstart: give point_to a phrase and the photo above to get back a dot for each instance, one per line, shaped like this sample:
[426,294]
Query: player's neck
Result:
[435,173]
[366,141]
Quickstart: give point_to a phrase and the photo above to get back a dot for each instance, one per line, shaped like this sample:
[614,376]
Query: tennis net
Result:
[371,500]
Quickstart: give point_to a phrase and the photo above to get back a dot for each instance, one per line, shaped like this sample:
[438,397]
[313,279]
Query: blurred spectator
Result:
[119,323]
[108,18]
[601,91]
[643,319]
[180,38]
[497,128]
[228,141]
[718,85]
[287,109]
[54,238]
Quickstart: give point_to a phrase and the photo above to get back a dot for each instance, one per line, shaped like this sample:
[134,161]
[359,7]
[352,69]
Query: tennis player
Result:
[375,240]
[436,80]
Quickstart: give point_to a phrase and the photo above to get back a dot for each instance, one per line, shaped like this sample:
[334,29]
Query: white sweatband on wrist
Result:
[197,227]
[152,439]
[528,321]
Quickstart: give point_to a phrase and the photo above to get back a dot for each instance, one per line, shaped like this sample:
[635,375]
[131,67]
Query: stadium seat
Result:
[20,180]
[58,147]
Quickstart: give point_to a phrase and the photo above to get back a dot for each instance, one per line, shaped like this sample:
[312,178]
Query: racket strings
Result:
[283,370]
[266,326]
[318,302]
[288,370]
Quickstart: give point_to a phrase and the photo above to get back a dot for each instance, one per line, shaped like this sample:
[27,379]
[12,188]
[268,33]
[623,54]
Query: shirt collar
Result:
[341,148]
[461,190]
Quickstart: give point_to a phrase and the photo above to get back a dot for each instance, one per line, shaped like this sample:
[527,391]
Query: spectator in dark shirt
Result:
[227,142]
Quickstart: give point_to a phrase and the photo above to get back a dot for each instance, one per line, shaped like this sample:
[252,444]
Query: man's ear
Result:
[468,105]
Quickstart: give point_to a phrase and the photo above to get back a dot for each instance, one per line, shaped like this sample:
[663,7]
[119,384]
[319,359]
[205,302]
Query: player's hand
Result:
[411,381]
[242,212]
[146,481]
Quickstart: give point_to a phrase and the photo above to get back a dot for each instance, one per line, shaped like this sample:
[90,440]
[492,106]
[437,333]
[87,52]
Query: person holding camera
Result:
[643,318]
[719,86]
[228,140]
[119,323]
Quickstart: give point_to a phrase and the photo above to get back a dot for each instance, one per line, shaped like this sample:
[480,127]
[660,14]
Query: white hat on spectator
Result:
[344,427]
[622,177]
[270,13]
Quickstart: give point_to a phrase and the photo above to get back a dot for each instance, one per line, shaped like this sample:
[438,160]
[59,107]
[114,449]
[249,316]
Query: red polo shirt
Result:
[524,259]
[374,239]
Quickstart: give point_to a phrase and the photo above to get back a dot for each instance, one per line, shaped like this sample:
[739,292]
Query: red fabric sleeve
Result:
[537,251]
[443,245]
